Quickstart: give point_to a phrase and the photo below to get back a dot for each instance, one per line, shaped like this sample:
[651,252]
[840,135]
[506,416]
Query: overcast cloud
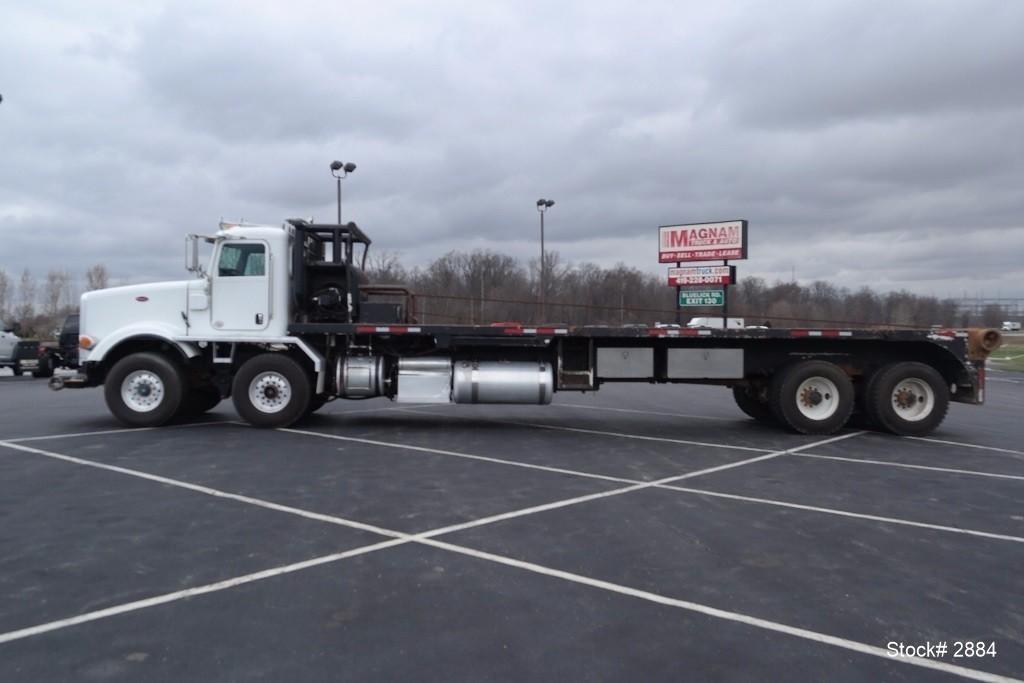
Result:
[877,143]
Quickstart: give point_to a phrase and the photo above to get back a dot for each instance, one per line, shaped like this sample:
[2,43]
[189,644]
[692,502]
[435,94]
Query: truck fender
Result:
[149,330]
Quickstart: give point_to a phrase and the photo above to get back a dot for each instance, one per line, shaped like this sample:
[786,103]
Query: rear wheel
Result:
[750,402]
[812,397]
[271,390]
[144,390]
[909,399]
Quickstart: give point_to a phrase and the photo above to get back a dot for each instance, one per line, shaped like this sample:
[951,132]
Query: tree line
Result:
[484,286]
[39,307]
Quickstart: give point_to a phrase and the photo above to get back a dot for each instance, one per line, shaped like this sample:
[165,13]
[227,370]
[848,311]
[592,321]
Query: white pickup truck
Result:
[17,354]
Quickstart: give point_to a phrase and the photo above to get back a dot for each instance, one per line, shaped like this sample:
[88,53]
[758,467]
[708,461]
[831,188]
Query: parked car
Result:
[1010,326]
[20,355]
[60,354]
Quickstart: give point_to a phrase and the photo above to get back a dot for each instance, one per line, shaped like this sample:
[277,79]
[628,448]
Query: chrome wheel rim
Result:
[142,391]
[270,392]
[817,398]
[913,399]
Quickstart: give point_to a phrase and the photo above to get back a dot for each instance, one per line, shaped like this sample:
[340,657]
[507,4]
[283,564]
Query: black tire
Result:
[285,395]
[315,404]
[199,400]
[800,390]
[45,367]
[909,399]
[16,369]
[170,389]
[748,401]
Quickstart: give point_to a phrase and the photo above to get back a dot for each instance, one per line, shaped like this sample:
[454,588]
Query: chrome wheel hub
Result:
[817,398]
[913,399]
[142,391]
[270,392]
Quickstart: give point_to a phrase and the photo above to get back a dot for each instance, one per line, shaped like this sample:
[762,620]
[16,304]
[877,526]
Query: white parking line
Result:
[738,617]
[951,470]
[844,513]
[666,484]
[580,430]
[332,519]
[379,409]
[644,412]
[216,493]
[966,445]
[637,485]
[614,492]
[122,430]
[192,592]
[1002,379]
[439,451]
[426,538]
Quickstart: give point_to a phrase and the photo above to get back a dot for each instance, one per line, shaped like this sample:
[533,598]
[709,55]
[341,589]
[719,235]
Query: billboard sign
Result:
[701,297]
[702,275]
[702,241]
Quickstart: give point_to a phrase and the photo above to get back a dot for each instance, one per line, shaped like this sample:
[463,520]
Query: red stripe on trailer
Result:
[513,330]
[799,333]
[365,329]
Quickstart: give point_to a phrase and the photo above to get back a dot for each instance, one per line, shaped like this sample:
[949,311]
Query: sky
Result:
[867,143]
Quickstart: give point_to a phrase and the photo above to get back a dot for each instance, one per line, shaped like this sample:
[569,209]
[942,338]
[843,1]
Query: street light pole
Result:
[345,169]
[542,206]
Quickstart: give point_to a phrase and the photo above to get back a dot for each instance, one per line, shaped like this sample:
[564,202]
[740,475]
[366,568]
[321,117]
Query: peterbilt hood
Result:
[157,306]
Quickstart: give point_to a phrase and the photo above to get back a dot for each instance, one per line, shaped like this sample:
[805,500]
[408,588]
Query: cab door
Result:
[241,287]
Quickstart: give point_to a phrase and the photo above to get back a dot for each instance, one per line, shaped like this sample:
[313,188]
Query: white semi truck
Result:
[279,322]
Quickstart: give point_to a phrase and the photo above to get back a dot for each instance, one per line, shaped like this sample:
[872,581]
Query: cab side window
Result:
[241,260]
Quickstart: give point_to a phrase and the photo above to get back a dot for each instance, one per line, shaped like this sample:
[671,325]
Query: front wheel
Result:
[812,397]
[909,399]
[144,390]
[271,390]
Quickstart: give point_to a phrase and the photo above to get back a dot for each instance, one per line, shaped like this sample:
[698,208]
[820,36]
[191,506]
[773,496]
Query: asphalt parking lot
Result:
[638,533]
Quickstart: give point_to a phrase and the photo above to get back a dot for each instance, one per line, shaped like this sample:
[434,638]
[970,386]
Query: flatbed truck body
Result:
[281,324]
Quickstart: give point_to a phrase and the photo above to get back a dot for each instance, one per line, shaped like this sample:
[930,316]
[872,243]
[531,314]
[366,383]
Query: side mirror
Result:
[192,253]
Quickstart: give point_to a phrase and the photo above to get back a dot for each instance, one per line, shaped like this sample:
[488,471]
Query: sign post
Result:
[725,301]
[690,242]
[679,308]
